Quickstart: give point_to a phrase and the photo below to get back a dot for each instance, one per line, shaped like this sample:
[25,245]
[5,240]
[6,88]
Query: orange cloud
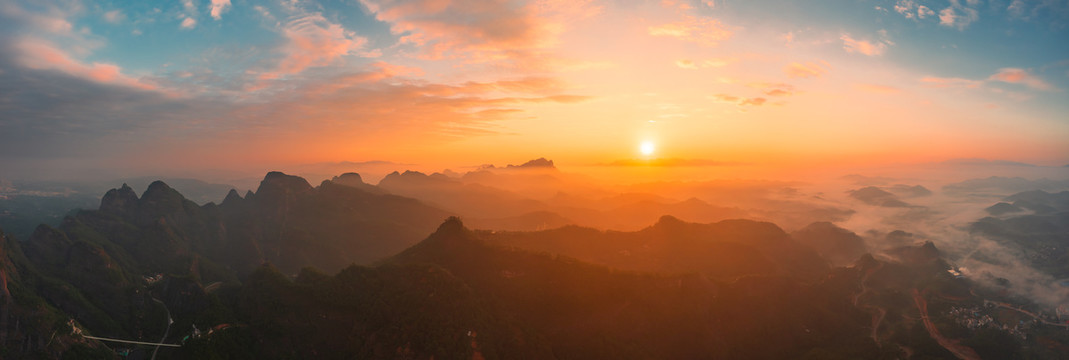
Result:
[382,103]
[479,30]
[38,54]
[218,7]
[941,82]
[1020,76]
[807,70]
[48,23]
[704,31]
[312,41]
[691,64]
[741,101]
[870,48]
[773,89]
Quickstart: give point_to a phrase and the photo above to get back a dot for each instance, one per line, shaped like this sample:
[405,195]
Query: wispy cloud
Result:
[773,89]
[1005,75]
[1020,76]
[805,70]
[911,10]
[959,16]
[951,82]
[866,47]
[312,40]
[479,31]
[699,64]
[740,101]
[218,7]
[114,16]
[701,30]
[39,54]
[188,23]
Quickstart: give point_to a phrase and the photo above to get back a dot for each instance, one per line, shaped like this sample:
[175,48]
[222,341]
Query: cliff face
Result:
[30,327]
[286,221]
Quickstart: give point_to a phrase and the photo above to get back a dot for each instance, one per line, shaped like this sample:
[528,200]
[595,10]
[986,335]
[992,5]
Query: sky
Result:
[188,85]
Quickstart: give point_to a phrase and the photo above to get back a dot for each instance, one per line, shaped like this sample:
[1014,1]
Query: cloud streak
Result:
[805,70]
[41,55]
[865,47]
[1005,75]
[1020,76]
[479,31]
[313,41]
[700,30]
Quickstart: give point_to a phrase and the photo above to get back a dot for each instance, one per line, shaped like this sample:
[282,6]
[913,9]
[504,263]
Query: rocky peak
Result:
[348,179]
[278,181]
[119,201]
[279,188]
[160,197]
[668,222]
[232,198]
[539,163]
[452,225]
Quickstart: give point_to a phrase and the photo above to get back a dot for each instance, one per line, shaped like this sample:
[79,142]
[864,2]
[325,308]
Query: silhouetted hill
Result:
[875,196]
[580,310]
[470,199]
[838,245]
[354,180]
[539,163]
[1002,209]
[909,191]
[1041,234]
[240,280]
[286,221]
[725,249]
[538,220]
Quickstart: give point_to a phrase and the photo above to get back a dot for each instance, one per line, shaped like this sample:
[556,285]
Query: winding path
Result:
[165,332]
[959,350]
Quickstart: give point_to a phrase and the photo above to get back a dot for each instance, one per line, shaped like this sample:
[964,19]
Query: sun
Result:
[646,148]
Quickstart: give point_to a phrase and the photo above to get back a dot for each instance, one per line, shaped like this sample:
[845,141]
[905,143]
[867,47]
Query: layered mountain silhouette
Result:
[726,249]
[1036,223]
[342,270]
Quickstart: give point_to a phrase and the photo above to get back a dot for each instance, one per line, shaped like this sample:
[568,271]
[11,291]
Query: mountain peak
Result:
[156,188]
[160,199]
[668,220]
[277,181]
[349,178]
[539,163]
[452,225]
[119,201]
[232,197]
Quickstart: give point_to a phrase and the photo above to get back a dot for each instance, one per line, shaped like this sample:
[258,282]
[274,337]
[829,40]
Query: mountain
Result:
[579,310]
[354,180]
[1039,233]
[34,310]
[286,221]
[537,220]
[877,197]
[838,245]
[469,199]
[271,275]
[726,249]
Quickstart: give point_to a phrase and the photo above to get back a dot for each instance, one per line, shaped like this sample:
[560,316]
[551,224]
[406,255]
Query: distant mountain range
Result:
[345,270]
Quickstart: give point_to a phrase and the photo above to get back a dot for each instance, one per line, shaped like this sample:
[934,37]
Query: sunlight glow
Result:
[646,148]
